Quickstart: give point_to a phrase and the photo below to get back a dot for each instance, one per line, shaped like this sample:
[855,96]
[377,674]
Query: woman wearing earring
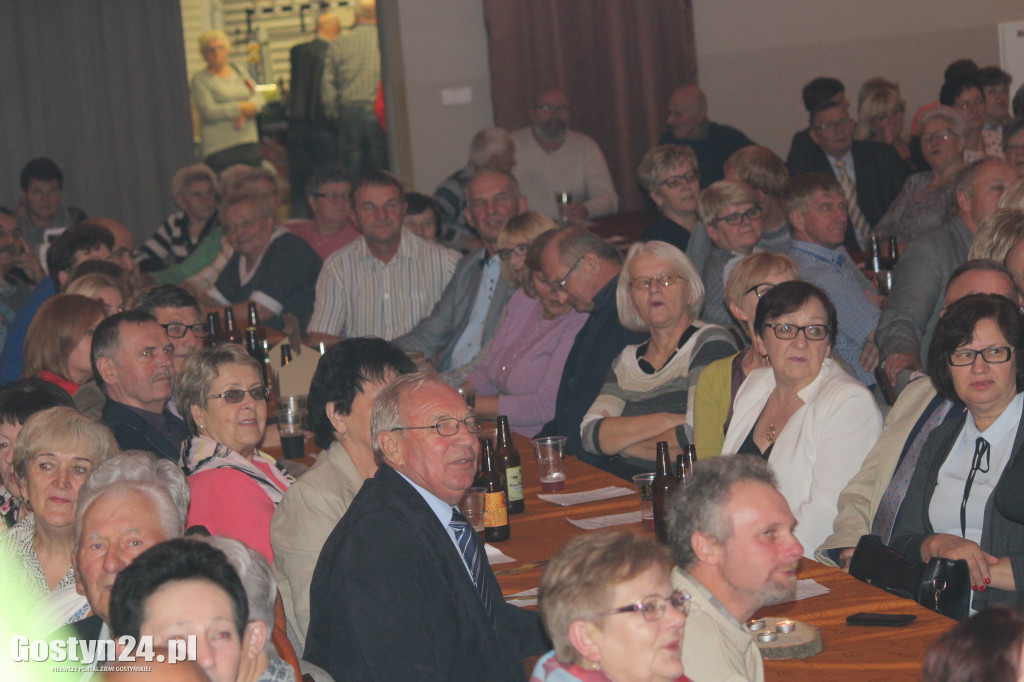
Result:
[810,420]
[347,380]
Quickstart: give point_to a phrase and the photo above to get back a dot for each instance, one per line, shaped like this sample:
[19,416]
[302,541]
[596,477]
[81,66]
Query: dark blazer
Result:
[391,599]
[999,536]
[134,433]
[879,169]
[307,70]
[88,628]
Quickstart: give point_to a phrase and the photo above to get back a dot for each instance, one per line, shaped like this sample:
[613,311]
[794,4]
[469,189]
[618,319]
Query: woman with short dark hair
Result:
[952,506]
[811,421]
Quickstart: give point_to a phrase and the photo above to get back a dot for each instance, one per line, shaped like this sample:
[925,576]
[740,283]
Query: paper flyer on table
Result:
[523,599]
[606,521]
[805,589]
[496,556]
[569,499]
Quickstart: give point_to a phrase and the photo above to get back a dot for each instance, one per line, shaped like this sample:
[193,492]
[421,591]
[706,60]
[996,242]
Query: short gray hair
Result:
[65,429]
[661,159]
[257,577]
[188,175]
[724,193]
[488,143]
[573,243]
[387,407]
[699,506]
[159,480]
[198,372]
[953,118]
[679,264]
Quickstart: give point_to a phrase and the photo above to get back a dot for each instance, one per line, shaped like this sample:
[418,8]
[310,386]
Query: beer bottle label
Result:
[495,513]
[514,477]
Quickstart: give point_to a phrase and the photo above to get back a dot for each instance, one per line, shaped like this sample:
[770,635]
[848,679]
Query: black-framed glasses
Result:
[663,280]
[237,395]
[518,250]
[652,608]
[760,289]
[177,330]
[737,218]
[993,355]
[559,286]
[447,427]
[677,181]
[828,127]
[784,331]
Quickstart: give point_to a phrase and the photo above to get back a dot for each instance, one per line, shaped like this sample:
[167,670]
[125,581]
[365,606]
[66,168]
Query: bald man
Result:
[312,139]
[551,159]
[712,142]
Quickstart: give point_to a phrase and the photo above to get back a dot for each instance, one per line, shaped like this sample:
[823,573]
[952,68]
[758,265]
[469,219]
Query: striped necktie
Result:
[860,223]
[473,552]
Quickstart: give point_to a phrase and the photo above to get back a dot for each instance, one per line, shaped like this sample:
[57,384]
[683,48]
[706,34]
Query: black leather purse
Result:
[941,585]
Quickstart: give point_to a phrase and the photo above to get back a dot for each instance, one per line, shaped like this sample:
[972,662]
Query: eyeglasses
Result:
[994,355]
[785,331]
[938,136]
[176,330]
[447,427]
[518,250]
[559,286]
[548,108]
[237,395]
[644,283]
[652,608]
[737,218]
[760,289]
[834,125]
[677,181]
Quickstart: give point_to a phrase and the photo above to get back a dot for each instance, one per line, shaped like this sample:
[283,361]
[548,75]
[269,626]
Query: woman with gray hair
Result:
[228,104]
[610,610]
[670,175]
[194,190]
[235,488]
[260,661]
[648,394]
[54,455]
[927,197]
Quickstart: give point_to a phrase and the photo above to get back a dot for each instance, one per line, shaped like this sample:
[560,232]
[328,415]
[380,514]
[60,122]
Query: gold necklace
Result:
[770,434]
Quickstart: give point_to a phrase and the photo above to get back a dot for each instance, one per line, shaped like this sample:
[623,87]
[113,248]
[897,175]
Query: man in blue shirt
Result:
[817,211]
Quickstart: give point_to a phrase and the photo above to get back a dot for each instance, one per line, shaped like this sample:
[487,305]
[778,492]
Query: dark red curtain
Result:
[617,60]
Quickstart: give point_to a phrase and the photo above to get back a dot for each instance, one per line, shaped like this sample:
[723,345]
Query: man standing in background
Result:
[312,138]
[349,90]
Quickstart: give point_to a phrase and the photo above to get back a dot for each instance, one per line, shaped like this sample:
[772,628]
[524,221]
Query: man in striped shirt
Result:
[386,281]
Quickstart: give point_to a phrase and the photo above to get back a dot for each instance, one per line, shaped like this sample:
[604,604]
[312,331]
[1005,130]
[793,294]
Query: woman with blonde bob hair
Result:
[997,234]
[103,288]
[514,240]
[610,610]
[752,278]
[880,115]
[648,394]
[54,455]
[59,340]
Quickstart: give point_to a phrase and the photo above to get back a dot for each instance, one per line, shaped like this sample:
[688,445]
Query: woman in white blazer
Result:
[808,418]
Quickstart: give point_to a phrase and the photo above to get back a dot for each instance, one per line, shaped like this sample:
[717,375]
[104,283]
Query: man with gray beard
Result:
[731,533]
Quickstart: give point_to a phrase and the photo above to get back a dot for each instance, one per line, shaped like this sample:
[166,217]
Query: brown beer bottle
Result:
[231,333]
[691,458]
[255,349]
[496,526]
[214,334]
[254,322]
[662,486]
[508,459]
[681,467]
[286,353]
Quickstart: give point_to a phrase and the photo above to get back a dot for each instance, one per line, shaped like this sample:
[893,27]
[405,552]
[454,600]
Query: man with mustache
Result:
[132,362]
[731,532]
[550,158]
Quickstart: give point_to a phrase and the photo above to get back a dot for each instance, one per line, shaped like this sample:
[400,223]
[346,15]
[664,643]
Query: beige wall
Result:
[754,56]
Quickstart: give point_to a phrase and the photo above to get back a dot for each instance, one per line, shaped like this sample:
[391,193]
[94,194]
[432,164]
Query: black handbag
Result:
[941,585]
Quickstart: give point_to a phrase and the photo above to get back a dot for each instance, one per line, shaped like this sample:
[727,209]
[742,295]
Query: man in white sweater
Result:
[552,159]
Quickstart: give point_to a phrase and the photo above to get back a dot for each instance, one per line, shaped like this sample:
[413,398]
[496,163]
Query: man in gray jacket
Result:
[471,306]
[909,318]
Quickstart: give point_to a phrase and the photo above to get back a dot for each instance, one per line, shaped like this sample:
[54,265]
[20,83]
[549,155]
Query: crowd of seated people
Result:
[742,321]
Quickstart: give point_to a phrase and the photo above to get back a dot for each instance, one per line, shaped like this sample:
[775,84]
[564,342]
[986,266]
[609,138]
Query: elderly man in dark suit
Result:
[312,138]
[473,302]
[402,589]
[871,173]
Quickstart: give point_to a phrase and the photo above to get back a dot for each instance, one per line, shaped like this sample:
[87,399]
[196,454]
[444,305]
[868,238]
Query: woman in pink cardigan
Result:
[235,487]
